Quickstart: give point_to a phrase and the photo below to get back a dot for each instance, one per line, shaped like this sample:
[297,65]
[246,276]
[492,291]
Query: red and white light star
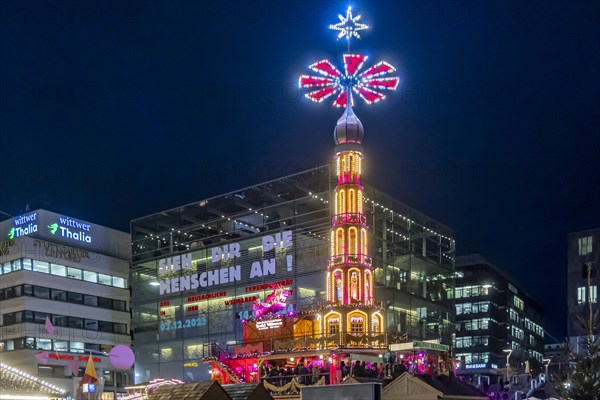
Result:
[367,84]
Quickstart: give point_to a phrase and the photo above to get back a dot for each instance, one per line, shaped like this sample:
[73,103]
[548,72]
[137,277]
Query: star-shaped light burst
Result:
[333,82]
[348,25]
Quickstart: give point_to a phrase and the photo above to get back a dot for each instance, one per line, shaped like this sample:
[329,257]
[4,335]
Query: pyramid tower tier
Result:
[349,271]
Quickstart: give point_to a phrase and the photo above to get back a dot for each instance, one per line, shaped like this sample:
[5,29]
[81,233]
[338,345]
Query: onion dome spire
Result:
[349,129]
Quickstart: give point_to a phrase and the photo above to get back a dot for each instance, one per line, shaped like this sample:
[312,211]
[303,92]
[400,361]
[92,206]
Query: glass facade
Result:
[199,268]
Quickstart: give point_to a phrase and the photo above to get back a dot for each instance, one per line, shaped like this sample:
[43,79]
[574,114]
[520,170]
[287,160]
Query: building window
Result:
[581,295]
[518,303]
[472,308]
[104,279]
[118,282]
[41,266]
[585,245]
[593,294]
[73,273]
[476,324]
[89,276]
[59,270]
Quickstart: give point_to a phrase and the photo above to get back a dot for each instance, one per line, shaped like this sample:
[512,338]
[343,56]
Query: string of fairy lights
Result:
[32,378]
[165,236]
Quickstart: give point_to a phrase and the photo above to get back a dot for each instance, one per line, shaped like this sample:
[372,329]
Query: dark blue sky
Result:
[112,110]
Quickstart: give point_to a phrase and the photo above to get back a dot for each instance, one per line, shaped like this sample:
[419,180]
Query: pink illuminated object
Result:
[367,84]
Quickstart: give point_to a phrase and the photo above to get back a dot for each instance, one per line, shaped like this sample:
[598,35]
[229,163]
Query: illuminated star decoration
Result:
[333,82]
[348,25]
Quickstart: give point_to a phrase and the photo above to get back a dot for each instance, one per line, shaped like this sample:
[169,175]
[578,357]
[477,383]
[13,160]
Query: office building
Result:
[495,319]
[75,275]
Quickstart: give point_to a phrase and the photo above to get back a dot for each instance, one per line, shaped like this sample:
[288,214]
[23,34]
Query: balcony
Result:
[350,259]
[349,218]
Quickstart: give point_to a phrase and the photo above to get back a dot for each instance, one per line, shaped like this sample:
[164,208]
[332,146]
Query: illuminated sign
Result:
[190,364]
[23,225]
[430,346]
[475,366]
[71,229]
[89,388]
[218,276]
[481,365]
[274,303]
[269,324]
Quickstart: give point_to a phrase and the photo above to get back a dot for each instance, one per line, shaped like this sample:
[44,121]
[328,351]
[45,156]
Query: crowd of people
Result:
[305,373]
[309,373]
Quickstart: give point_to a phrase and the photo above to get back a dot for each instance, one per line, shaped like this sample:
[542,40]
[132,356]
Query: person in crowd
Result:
[289,374]
[380,371]
[342,372]
[263,370]
[303,374]
[315,372]
[273,377]
[356,369]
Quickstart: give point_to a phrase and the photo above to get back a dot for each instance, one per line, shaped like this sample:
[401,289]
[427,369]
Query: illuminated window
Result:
[514,316]
[585,245]
[376,326]
[58,270]
[471,341]
[90,276]
[340,242]
[593,294]
[472,308]
[352,241]
[581,295]
[360,202]
[476,324]
[118,282]
[470,291]
[356,325]
[41,266]
[363,239]
[518,303]
[333,326]
[517,332]
[341,201]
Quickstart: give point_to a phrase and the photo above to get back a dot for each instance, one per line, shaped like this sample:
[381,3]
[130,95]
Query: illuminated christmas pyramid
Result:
[352,319]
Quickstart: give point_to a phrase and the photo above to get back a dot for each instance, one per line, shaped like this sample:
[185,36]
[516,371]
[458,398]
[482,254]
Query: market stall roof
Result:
[247,391]
[428,387]
[205,390]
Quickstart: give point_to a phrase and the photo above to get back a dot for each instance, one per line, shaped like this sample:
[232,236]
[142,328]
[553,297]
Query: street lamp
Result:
[509,352]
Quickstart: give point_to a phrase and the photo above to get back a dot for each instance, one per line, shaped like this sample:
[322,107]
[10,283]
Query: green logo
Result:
[53,228]
[11,233]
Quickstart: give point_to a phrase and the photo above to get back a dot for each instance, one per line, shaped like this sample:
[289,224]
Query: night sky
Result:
[114,110]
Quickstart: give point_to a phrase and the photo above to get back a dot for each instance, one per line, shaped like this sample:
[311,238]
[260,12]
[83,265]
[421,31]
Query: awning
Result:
[419,345]
[366,358]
